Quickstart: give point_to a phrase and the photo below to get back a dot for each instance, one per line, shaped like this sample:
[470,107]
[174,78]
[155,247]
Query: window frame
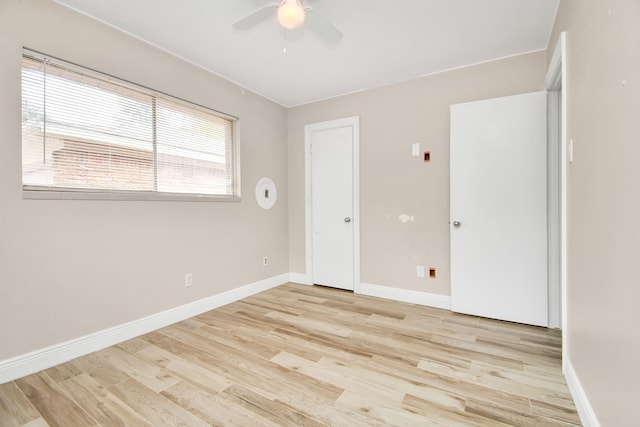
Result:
[44,192]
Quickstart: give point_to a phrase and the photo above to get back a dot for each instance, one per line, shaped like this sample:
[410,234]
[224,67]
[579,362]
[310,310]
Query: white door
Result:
[499,208]
[331,150]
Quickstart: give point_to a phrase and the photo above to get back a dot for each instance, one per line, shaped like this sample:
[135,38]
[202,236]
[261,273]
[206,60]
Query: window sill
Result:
[140,196]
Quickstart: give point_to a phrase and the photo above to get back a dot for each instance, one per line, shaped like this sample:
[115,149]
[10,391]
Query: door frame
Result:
[354,123]
[556,86]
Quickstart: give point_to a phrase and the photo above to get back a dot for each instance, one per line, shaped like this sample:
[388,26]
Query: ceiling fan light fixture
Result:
[290,14]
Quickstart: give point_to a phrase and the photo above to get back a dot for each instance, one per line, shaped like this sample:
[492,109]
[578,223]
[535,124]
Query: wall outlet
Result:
[420,270]
[188,280]
[265,261]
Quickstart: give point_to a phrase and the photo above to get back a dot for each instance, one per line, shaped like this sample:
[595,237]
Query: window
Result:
[87,133]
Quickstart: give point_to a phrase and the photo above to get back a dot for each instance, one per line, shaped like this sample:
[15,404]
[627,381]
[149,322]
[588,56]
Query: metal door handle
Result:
[347,220]
[456,223]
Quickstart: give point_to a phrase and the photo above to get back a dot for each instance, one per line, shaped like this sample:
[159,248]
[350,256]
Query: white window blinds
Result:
[85,131]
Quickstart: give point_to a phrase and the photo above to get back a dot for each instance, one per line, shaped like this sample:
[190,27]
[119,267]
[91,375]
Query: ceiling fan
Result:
[292,14]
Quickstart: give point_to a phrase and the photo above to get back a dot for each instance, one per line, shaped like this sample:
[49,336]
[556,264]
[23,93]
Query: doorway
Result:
[332,219]
[555,84]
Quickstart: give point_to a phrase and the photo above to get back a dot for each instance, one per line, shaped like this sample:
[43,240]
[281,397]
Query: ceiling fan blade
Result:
[255,18]
[323,28]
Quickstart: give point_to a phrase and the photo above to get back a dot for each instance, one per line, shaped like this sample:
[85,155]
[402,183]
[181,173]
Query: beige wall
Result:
[69,268]
[603,119]
[392,183]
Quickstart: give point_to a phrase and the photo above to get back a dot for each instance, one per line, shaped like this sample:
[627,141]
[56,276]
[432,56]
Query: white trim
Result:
[52,193]
[45,358]
[406,295]
[556,80]
[585,410]
[356,202]
[307,206]
[553,78]
[301,279]
[354,123]
[554,243]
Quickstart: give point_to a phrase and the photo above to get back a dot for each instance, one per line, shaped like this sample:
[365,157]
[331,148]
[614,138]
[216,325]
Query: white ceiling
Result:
[384,42]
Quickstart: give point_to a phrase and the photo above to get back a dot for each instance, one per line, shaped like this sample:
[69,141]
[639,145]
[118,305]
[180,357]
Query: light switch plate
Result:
[570,149]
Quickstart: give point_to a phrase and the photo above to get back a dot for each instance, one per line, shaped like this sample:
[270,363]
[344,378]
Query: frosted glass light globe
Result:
[290,14]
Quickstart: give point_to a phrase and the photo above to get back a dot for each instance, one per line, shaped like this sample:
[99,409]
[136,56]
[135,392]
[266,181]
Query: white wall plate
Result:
[266,193]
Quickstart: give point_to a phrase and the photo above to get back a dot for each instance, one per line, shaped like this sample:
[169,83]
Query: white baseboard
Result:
[45,358]
[587,415]
[405,295]
[302,279]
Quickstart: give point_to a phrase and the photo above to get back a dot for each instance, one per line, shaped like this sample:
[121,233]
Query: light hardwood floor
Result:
[308,356]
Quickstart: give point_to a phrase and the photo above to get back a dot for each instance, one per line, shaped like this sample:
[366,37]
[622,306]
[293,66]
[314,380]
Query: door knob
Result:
[347,220]
[456,223]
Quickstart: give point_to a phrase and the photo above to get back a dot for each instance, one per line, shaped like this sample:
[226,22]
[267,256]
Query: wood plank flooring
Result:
[308,356]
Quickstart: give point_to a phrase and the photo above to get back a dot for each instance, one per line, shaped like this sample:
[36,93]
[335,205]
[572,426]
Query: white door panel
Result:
[332,207]
[498,195]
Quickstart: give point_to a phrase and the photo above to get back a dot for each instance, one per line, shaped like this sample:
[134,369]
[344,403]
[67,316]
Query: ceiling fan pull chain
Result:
[284,40]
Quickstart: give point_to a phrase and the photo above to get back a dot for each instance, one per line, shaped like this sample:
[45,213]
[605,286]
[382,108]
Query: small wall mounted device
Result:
[266,193]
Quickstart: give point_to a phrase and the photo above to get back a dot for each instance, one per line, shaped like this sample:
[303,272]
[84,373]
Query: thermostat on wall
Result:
[266,193]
